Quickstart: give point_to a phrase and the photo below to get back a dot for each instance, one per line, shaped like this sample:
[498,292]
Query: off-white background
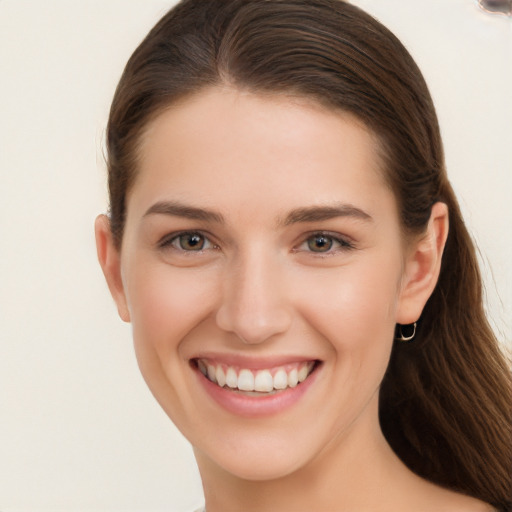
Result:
[78,429]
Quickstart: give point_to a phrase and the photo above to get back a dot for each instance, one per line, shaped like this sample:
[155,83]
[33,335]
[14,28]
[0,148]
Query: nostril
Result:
[254,324]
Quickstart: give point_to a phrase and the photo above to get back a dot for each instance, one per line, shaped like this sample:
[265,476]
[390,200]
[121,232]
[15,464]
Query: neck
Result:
[343,477]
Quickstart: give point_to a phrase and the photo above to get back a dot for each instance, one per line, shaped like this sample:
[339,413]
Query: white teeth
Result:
[263,381]
[303,373]
[211,372]
[246,380]
[250,380]
[231,378]
[280,380]
[219,375]
[293,378]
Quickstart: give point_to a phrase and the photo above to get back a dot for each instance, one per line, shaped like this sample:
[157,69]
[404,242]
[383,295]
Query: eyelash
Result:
[171,242]
[168,242]
[343,244]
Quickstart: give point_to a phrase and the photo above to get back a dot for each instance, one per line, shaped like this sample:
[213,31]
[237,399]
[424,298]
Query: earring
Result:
[405,338]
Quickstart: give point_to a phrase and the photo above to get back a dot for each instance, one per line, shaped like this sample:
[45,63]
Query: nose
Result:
[254,306]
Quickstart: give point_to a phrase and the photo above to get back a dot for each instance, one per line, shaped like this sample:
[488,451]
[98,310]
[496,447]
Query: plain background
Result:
[78,429]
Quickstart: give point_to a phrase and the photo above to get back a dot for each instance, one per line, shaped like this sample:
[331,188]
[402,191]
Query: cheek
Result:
[166,304]
[354,309]
[363,296]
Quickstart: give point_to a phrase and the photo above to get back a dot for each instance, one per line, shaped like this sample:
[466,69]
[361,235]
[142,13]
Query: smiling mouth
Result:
[256,382]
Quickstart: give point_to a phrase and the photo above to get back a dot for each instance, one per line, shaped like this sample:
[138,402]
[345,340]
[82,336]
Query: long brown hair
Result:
[445,402]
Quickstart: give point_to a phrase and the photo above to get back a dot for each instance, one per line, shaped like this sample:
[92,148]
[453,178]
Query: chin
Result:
[258,464]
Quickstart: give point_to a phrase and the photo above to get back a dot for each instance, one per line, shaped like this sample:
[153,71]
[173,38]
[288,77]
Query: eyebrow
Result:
[319,213]
[296,216]
[177,209]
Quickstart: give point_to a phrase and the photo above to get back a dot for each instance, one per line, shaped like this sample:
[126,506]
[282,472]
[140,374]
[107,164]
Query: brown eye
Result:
[191,242]
[320,243]
[187,242]
[325,243]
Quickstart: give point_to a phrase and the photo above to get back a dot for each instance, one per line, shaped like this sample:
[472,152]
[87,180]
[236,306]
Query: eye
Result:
[189,242]
[323,243]
[320,243]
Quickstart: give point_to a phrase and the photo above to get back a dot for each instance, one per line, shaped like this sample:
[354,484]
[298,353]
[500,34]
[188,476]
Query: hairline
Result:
[309,100]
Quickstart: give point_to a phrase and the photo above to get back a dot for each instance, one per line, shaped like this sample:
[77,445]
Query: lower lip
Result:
[256,406]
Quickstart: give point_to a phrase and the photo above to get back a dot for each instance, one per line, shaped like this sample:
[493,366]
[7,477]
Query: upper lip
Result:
[253,363]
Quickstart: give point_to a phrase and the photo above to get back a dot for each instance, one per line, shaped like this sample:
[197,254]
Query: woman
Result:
[305,298]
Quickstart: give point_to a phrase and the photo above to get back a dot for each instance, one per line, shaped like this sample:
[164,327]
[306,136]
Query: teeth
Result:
[211,372]
[202,367]
[246,380]
[263,381]
[293,378]
[231,378]
[304,372]
[220,377]
[260,381]
[280,380]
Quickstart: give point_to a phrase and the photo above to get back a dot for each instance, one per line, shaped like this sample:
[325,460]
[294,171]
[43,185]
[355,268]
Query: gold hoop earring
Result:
[403,338]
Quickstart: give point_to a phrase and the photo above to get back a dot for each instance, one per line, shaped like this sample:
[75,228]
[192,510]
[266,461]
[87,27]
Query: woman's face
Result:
[262,247]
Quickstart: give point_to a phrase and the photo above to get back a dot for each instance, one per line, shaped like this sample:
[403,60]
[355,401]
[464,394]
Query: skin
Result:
[260,288]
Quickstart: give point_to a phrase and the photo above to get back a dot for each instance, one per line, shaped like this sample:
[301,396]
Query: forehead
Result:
[224,146]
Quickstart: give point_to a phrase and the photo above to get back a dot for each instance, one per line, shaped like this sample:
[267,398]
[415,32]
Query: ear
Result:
[110,261]
[422,267]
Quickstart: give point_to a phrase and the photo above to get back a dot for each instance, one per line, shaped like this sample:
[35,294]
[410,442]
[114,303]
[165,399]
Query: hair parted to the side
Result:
[445,402]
